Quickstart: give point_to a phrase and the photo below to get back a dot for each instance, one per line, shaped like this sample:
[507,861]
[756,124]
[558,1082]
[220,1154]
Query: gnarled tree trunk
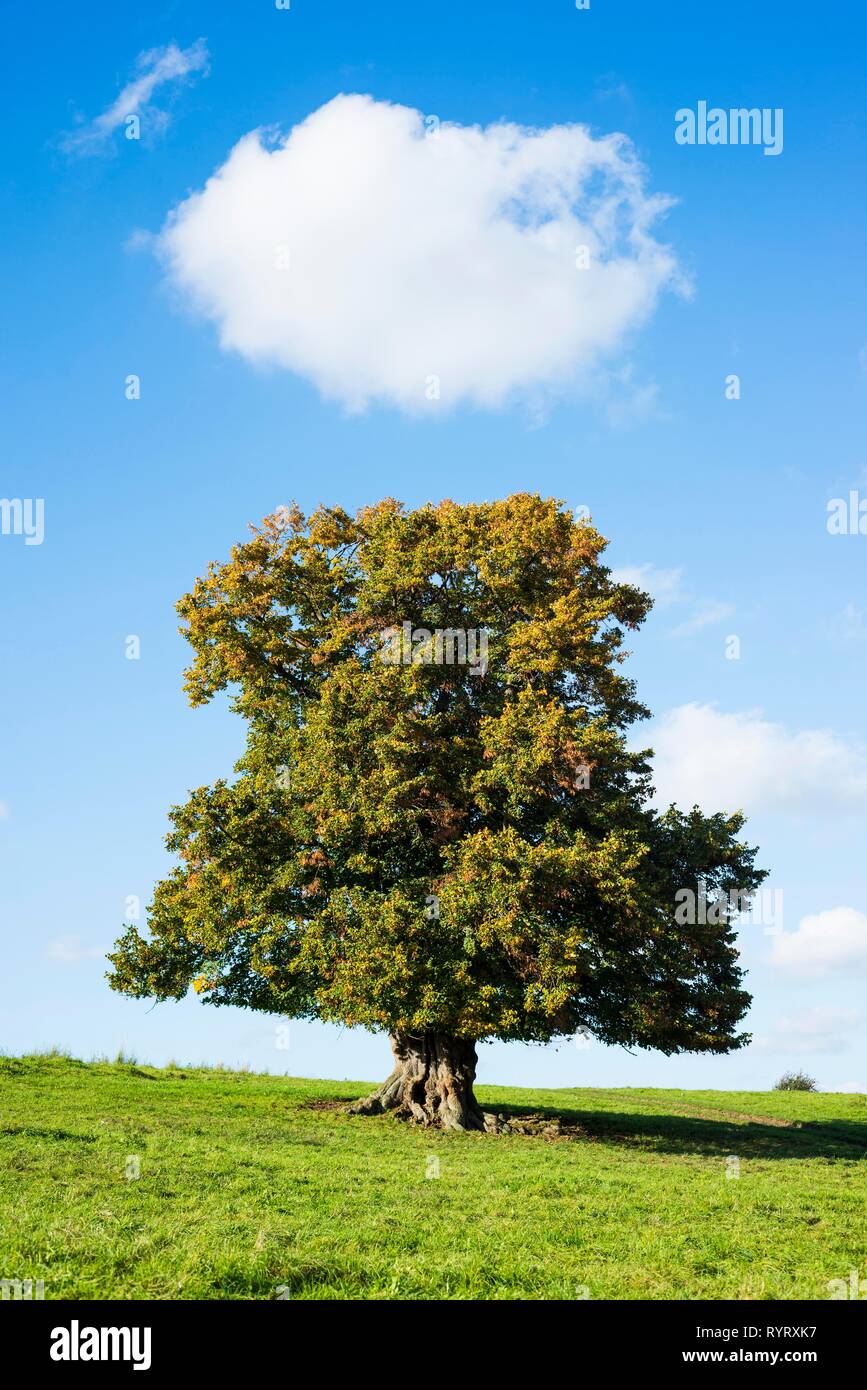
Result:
[431,1085]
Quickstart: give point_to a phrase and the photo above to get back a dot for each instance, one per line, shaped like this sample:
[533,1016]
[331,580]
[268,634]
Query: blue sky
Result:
[720,504]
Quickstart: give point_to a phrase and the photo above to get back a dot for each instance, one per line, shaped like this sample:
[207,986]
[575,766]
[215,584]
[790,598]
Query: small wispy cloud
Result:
[611,85]
[850,625]
[154,68]
[666,587]
[663,585]
[632,402]
[708,612]
[815,1031]
[69,949]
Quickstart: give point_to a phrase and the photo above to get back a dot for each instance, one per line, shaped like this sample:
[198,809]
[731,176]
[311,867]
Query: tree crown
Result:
[438,823]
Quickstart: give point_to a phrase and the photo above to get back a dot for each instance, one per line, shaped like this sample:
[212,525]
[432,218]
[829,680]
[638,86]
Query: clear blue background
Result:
[140,495]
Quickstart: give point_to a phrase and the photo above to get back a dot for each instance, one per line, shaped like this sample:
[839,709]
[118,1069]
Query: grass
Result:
[262,1187]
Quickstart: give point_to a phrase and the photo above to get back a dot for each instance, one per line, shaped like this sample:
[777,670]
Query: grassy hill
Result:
[262,1187]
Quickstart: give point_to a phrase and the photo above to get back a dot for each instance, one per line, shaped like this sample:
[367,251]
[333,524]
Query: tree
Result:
[438,828]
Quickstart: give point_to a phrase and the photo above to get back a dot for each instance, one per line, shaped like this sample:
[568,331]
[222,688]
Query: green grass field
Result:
[263,1187]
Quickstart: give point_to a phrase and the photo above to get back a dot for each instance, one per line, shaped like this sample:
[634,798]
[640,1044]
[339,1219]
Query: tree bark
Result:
[431,1085]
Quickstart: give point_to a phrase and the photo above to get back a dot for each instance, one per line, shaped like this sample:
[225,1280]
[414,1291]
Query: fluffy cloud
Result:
[834,940]
[742,761]
[388,258]
[153,69]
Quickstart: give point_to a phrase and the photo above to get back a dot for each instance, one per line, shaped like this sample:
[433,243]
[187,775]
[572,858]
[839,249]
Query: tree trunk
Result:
[431,1085]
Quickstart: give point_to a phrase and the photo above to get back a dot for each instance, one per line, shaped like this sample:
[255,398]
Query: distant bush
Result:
[795,1081]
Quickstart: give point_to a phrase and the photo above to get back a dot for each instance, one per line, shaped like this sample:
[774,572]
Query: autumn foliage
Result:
[423,849]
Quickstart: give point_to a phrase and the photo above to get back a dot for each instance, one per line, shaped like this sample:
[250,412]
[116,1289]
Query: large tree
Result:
[438,828]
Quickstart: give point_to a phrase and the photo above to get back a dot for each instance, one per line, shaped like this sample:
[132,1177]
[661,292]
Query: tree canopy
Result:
[430,833]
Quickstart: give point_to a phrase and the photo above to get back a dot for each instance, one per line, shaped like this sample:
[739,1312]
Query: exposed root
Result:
[431,1085]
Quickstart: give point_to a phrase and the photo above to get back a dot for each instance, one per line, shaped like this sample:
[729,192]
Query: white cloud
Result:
[380,257]
[743,761]
[4,811]
[834,940]
[154,68]
[70,949]
[819,1030]
[664,586]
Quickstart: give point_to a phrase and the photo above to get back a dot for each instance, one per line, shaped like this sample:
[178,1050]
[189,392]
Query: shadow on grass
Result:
[59,1135]
[685,1134]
